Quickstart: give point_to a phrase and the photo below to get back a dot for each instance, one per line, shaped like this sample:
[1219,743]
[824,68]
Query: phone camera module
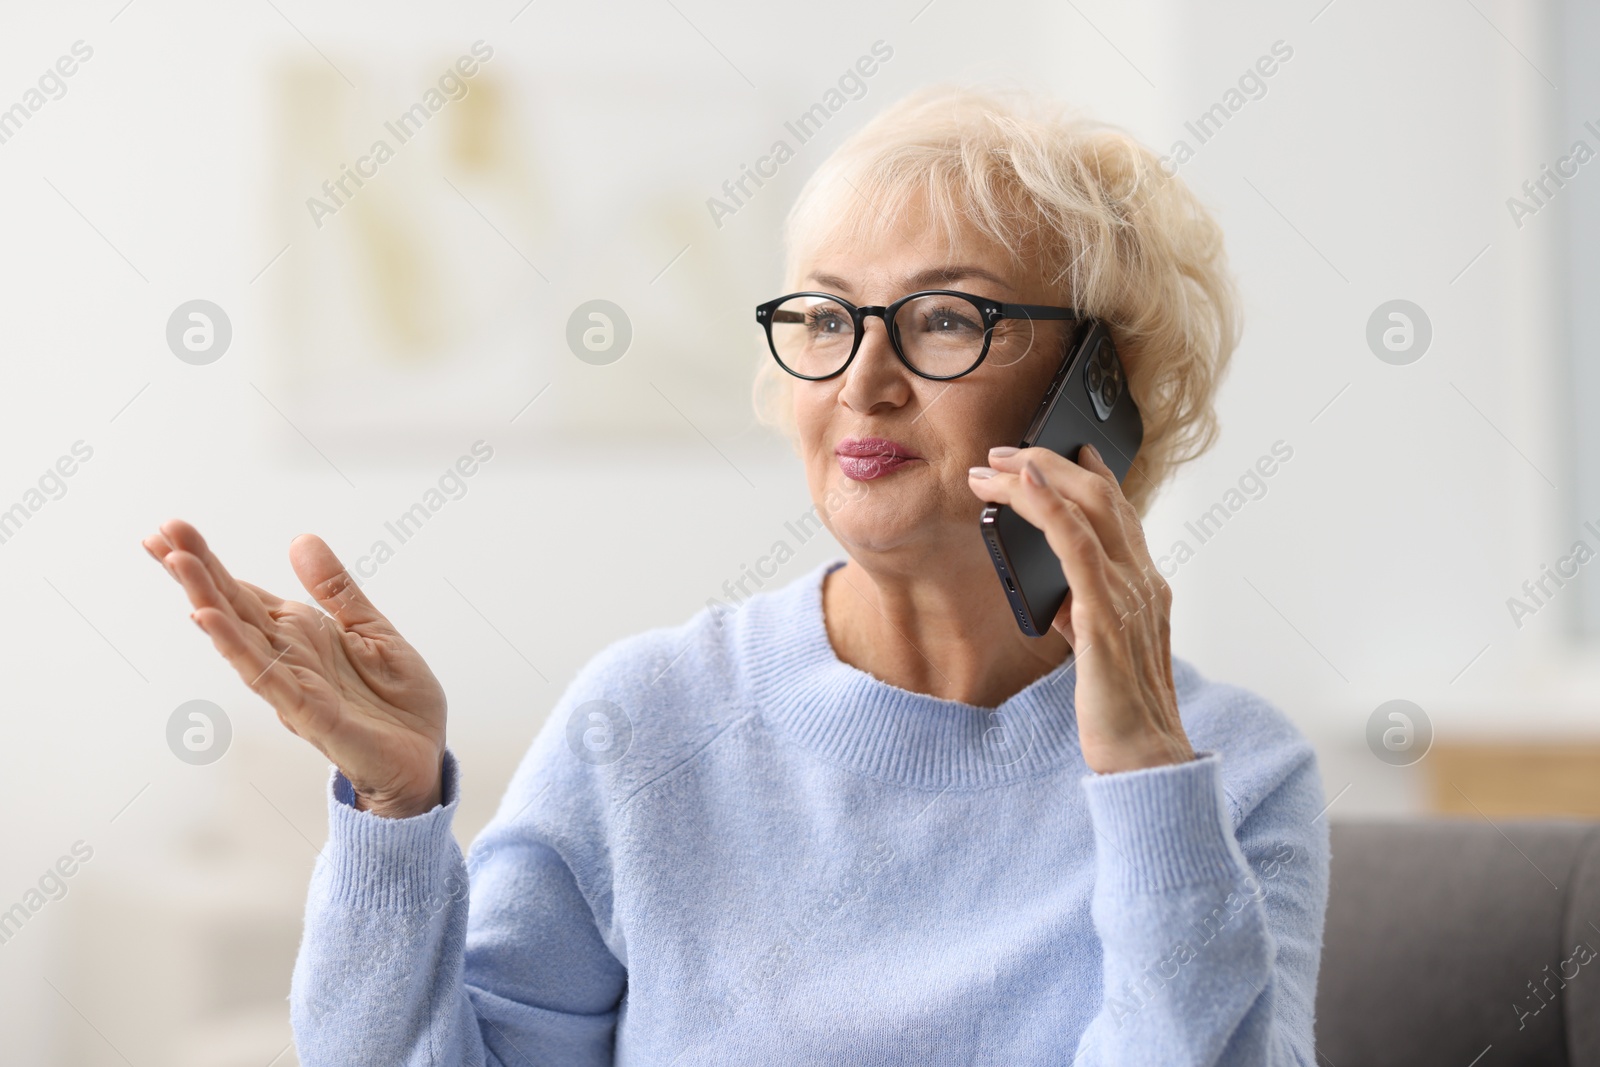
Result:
[1104,379]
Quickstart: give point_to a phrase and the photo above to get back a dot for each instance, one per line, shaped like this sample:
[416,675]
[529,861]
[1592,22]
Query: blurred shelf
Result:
[1516,780]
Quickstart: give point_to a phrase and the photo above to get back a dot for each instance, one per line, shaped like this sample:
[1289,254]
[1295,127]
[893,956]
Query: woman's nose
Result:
[876,377]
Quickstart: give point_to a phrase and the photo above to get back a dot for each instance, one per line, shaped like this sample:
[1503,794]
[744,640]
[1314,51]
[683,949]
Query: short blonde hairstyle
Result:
[1111,232]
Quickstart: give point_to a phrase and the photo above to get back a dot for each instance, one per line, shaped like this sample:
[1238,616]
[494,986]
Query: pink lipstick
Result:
[864,458]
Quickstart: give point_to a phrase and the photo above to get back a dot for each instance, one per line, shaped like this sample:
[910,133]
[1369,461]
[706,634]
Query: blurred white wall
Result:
[1375,167]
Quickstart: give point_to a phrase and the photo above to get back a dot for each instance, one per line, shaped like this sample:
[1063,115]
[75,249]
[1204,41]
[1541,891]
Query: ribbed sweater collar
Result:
[849,717]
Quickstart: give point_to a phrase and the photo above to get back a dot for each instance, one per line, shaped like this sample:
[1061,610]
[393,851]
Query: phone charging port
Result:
[1009,587]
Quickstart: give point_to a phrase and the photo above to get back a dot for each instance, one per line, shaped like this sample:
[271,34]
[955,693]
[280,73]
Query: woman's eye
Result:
[824,322]
[945,320]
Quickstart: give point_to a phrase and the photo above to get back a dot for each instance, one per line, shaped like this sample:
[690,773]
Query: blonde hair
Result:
[1111,231]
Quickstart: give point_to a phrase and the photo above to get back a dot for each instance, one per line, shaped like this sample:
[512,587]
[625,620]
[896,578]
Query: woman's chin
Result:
[867,532]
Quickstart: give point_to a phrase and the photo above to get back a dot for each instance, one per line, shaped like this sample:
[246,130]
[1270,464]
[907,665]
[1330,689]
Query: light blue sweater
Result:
[726,846]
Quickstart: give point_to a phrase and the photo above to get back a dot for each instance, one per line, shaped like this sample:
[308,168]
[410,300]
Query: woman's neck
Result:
[947,632]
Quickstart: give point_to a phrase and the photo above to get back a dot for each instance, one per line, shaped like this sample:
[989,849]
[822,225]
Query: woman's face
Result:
[918,505]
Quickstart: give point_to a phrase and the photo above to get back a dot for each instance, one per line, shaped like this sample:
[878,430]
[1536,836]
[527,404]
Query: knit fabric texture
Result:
[727,846]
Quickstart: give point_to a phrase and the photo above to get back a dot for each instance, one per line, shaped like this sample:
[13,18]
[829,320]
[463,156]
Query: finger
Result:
[1066,527]
[1096,495]
[1130,578]
[197,582]
[1150,582]
[1089,458]
[271,601]
[326,579]
[257,662]
[184,537]
[157,546]
[204,594]
[1070,531]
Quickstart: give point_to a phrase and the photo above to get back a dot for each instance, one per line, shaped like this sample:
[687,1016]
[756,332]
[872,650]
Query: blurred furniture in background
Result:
[1516,780]
[1461,942]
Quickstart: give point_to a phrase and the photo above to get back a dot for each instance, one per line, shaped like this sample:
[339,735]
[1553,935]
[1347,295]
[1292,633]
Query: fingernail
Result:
[1002,451]
[981,472]
[1094,453]
[1033,474]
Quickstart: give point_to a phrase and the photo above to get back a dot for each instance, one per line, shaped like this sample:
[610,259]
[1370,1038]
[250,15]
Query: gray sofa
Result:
[1435,931]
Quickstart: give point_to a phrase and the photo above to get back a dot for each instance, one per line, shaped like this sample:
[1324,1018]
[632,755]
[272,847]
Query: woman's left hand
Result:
[1117,616]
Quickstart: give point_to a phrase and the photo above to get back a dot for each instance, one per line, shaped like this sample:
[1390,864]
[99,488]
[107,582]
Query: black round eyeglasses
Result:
[937,333]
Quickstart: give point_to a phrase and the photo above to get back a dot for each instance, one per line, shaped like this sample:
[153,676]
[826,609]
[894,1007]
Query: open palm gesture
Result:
[345,681]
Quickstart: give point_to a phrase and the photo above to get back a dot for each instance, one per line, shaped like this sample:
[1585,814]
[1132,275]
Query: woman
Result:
[861,818]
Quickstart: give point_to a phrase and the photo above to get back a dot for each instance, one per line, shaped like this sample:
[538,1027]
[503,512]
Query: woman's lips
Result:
[864,458]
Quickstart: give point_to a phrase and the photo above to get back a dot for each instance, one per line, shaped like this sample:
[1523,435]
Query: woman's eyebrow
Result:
[945,275]
[930,278]
[831,281]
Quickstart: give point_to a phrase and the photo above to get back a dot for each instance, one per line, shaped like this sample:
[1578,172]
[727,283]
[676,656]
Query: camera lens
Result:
[1095,377]
[1108,392]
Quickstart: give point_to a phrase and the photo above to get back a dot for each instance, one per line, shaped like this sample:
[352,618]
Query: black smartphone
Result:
[1087,403]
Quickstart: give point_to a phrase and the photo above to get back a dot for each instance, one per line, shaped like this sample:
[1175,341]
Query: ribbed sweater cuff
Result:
[376,862]
[1163,828]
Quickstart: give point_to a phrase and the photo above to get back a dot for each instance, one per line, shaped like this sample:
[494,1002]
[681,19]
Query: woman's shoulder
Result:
[1261,749]
[711,651]
[639,708]
[670,690]
[664,685]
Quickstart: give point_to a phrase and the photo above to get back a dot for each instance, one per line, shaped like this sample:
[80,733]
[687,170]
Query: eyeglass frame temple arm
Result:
[1038,311]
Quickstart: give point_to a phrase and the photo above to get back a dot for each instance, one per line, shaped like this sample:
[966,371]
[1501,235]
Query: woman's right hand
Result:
[348,684]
